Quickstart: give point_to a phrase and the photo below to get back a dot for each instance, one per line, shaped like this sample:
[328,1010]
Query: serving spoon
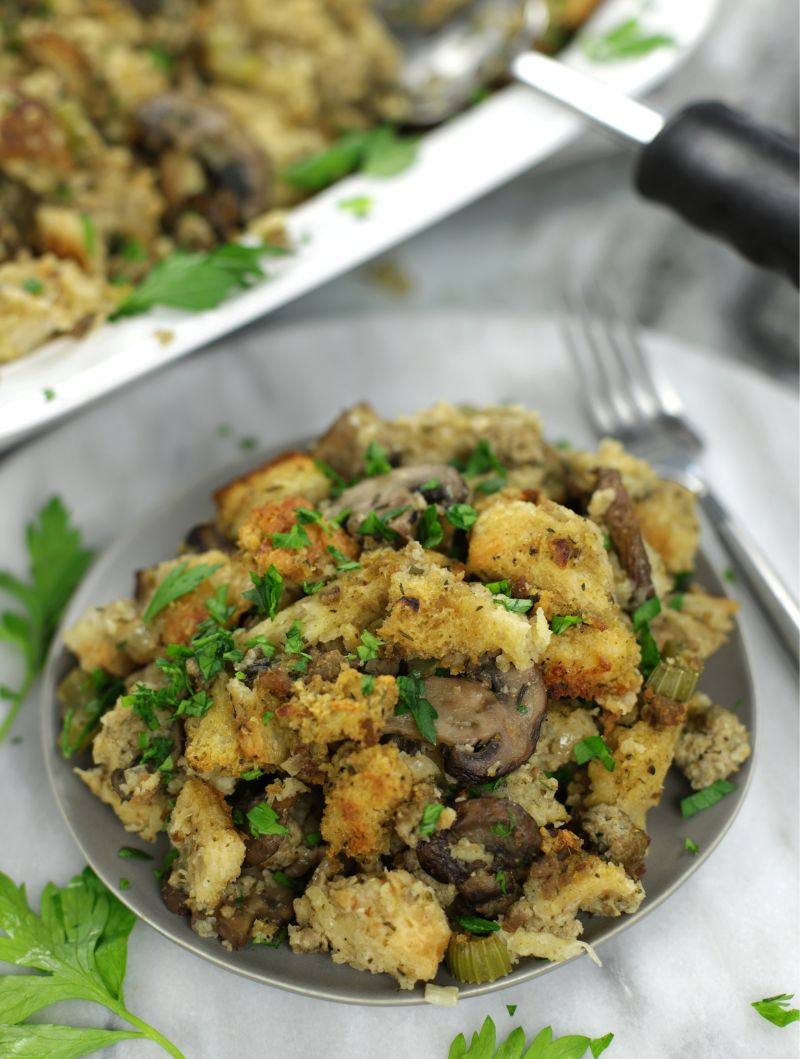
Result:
[722,172]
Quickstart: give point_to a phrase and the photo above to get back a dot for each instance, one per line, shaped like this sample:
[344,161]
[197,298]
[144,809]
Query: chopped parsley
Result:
[367,685]
[104,689]
[500,879]
[430,817]
[294,539]
[131,853]
[429,531]
[511,1009]
[462,516]
[560,622]
[266,592]
[504,830]
[267,716]
[491,485]
[375,525]
[313,838]
[729,575]
[338,484]
[627,40]
[641,617]
[477,924]
[683,580]
[646,612]
[49,394]
[251,774]
[360,205]
[488,787]
[178,582]
[775,1009]
[676,603]
[342,561]
[691,846]
[33,285]
[706,797]
[516,606]
[124,884]
[376,461]
[293,645]
[412,700]
[503,586]
[369,648]
[312,587]
[594,747]
[379,152]
[166,864]
[263,820]
[480,461]
[162,59]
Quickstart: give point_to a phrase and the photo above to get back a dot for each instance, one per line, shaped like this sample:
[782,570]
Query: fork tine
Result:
[633,376]
[600,394]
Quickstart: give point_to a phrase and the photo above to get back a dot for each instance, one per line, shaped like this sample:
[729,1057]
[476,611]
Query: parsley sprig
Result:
[594,746]
[57,561]
[627,40]
[78,944]
[265,595]
[775,1009]
[180,581]
[705,798]
[379,152]
[484,1044]
[412,700]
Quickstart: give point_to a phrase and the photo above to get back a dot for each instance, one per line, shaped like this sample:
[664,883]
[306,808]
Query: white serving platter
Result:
[464,159]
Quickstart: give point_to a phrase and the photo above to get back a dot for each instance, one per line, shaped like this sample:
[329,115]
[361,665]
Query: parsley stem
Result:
[146,1029]
[15,702]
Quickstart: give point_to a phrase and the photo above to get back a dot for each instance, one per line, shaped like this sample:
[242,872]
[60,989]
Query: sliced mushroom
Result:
[300,814]
[274,903]
[408,488]
[625,534]
[489,728]
[490,844]
[342,445]
[206,537]
[199,145]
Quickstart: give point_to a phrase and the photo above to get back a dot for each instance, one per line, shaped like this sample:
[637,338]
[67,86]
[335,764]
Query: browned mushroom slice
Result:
[625,534]
[489,729]
[405,490]
[272,902]
[300,816]
[342,446]
[491,842]
[207,162]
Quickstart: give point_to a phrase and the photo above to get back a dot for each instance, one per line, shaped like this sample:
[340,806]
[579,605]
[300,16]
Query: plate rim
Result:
[523,972]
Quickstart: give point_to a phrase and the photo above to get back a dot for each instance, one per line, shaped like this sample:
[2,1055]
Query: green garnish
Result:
[251,774]
[161,58]
[178,582]
[488,787]
[628,40]
[57,560]
[429,531]
[516,606]
[563,443]
[267,716]
[78,948]
[729,575]
[511,1009]
[105,689]
[462,516]
[562,775]
[263,820]
[775,1009]
[33,285]
[560,622]
[166,864]
[504,830]
[676,603]
[491,485]
[691,846]
[360,205]
[705,798]
[484,1044]
[500,879]
[367,685]
[377,152]
[124,884]
[285,880]
[646,612]
[293,645]
[312,587]
[375,525]
[266,592]
[49,394]
[132,853]
[477,924]
[338,484]
[294,539]
[480,461]
[594,747]
[683,580]
[370,646]
[312,839]
[503,586]
[376,461]
[430,817]
[412,700]
[274,942]
[132,250]
[89,234]
[342,562]
[197,281]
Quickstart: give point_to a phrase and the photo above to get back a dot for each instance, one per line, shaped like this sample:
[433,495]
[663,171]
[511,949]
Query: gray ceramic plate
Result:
[99,834]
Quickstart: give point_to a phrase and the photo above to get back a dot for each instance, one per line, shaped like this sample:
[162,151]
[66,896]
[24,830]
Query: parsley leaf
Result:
[376,461]
[375,525]
[370,646]
[132,853]
[462,516]
[429,531]
[627,40]
[504,830]
[178,582]
[430,817]
[683,580]
[267,590]
[197,281]
[503,586]
[295,538]
[491,485]
[481,460]
[57,561]
[78,944]
[338,484]
[360,205]
[312,587]
[342,562]
[263,820]
[594,746]
[412,700]
[560,622]
[641,617]
[477,924]
[511,1009]
[367,685]
[706,797]
[646,612]
[691,846]
[516,606]
[775,1009]
[484,1044]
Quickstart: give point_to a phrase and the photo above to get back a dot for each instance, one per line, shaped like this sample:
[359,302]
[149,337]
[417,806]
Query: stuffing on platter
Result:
[411,694]
[130,129]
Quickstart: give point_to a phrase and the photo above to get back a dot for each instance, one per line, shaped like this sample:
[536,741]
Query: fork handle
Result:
[775,599]
[730,177]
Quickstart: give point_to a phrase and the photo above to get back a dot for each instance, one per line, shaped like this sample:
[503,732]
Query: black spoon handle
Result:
[730,177]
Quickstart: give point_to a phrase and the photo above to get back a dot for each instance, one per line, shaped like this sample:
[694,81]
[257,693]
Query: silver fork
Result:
[643,412]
